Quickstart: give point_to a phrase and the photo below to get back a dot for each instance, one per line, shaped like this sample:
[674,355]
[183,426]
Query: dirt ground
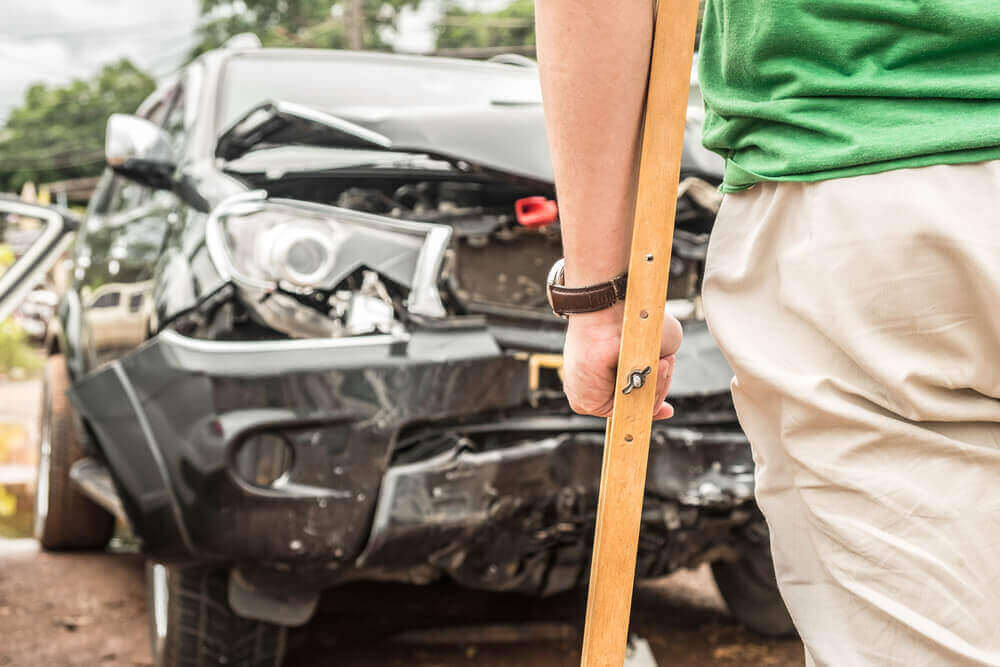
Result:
[90,610]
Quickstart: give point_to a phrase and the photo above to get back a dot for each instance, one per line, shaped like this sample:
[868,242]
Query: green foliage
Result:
[7,257]
[8,503]
[514,25]
[295,23]
[58,132]
[17,356]
[15,511]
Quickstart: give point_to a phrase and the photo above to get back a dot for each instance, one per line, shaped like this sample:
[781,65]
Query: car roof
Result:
[379,57]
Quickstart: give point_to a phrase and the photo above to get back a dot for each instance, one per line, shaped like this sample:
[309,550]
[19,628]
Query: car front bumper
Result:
[172,416]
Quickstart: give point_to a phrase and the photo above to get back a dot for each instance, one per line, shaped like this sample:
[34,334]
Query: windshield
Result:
[363,83]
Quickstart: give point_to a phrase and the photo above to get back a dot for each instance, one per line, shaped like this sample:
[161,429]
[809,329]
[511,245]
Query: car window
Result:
[116,194]
[158,112]
[174,121]
[135,303]
[98,201]
[125,195]
[181,118]
[107,300]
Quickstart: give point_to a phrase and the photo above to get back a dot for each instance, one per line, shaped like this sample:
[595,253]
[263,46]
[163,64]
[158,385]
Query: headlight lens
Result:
[266,244]
[299,252]
[265,247]
[270,248]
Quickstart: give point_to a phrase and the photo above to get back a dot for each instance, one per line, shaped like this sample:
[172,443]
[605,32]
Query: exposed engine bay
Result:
[494,265]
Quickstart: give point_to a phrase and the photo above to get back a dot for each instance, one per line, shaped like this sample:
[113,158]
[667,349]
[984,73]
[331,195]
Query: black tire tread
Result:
[204,632]
[73,521]
[751,592]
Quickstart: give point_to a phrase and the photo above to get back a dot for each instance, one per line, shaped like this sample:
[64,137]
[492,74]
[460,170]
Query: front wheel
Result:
[191,624]
[750,588]
[64,517]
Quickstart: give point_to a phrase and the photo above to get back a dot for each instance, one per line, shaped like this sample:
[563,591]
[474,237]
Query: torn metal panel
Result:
[469,137]
[169,415]
[520,517]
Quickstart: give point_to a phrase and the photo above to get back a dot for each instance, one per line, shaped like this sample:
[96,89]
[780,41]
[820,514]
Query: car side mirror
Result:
[139,150]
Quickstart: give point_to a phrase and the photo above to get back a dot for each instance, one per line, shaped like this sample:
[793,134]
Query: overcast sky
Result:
[57,40]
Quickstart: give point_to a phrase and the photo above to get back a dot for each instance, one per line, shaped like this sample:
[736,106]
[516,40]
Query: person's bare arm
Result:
[594,58]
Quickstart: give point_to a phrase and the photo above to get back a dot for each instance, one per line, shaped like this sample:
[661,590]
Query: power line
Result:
[55,150]
[82,161]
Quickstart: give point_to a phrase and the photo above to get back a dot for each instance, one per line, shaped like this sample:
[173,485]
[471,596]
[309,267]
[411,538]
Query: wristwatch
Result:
[566,301]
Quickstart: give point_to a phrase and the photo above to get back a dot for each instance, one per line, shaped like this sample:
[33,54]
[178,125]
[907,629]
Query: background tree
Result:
[58,132]
[512,26]
[326,24]
[463,31]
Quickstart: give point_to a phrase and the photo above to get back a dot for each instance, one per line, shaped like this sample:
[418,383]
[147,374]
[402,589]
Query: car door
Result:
[32,238]
[122,238]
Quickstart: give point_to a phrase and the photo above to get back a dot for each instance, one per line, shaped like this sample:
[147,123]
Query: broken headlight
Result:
[291,261]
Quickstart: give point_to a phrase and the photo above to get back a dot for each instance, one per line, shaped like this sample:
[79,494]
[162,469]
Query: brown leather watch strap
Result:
[572,300]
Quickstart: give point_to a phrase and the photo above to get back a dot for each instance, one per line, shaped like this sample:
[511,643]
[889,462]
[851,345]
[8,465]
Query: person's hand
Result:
[590,361]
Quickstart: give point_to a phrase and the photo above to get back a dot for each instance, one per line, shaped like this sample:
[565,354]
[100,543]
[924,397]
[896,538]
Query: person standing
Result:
[852,281]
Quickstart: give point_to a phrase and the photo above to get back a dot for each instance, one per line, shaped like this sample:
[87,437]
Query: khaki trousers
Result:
[862,319]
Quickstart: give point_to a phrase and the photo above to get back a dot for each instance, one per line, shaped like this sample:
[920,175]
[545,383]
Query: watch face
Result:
[556,272]
[555,278]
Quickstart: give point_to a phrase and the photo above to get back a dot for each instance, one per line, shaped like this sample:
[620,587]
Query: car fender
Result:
[65,329]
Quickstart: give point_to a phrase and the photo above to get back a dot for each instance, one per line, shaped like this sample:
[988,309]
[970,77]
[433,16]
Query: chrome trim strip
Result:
[216,243]
[94,480]
[278,346]
[425,298]
[345,126]
[159,599]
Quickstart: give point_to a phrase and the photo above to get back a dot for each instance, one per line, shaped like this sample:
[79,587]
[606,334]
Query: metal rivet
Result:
[628,437]
[649,258]
[643,314]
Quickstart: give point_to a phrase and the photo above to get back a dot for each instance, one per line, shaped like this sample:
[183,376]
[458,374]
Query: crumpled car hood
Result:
[506,138]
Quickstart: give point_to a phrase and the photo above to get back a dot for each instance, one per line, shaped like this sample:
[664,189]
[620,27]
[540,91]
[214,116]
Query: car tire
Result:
[64,517]
[750,588]
[192,625]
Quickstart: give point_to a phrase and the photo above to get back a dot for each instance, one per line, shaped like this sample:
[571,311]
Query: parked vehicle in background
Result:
[118,314]
[306,342]
[36,311]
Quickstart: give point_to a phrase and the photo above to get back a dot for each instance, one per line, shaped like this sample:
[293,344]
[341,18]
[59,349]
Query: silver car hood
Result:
[506,138]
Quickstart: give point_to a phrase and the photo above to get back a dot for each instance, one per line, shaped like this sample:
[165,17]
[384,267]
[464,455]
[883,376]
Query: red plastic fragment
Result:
[536,211]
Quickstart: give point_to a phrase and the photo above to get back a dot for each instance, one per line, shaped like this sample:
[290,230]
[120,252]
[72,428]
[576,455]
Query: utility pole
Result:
[355,24]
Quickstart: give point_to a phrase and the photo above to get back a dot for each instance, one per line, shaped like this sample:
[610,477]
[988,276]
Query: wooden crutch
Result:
[626,446]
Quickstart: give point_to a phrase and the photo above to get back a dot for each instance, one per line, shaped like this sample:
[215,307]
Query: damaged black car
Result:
[306,342]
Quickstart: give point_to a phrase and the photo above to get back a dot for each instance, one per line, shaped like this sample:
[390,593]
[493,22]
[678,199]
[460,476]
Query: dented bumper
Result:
[485,488]
[171,415]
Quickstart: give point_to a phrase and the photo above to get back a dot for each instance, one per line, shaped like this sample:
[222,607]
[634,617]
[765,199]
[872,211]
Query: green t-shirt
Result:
[806,90]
